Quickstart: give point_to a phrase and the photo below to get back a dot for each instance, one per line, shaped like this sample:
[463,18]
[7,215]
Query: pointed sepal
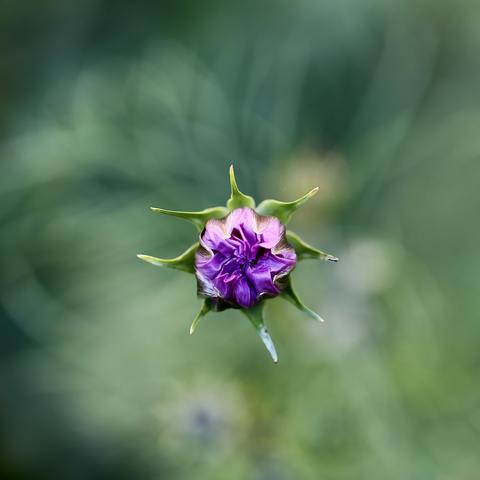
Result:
[290,295]
[255,315]
[237,198]
[204,309]
[304,250]
[199,219]
[284,210]
[184,262]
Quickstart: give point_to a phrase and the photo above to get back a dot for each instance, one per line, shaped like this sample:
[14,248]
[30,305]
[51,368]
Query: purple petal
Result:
[261,278]
[242,216]
[225,289]
[228,247]
[212,265]
[271,231]
[244,295]
[278,264]
[214,233]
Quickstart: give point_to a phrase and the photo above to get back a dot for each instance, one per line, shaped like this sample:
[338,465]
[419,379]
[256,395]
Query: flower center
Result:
[246,253]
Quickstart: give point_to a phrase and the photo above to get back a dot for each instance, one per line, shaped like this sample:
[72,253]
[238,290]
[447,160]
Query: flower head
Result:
[242,258]
[244,255]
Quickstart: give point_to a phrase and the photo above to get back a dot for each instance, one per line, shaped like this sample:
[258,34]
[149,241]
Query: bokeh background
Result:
[109,107]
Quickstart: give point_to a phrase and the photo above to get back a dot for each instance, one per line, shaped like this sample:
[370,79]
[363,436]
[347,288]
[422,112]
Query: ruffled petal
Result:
[214,233]
[224,288]
[270,230]
[244,294]
[278,264]
[261,278]
[242,216]
[210,266]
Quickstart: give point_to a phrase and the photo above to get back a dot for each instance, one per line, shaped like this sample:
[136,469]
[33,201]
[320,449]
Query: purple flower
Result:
[242,258]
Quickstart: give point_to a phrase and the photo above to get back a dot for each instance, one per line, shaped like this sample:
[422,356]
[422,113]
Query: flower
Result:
[244,255]
[242,258]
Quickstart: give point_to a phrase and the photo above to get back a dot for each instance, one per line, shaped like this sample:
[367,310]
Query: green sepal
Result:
[204,309]
[199,219]
[290,295]
[237,198]
[284,210]
[255,315]
[184,262]
[304,250]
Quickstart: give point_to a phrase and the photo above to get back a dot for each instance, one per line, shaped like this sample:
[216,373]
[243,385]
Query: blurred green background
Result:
[109,107]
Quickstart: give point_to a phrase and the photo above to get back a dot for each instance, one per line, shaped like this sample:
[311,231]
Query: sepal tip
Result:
[184,262]
[255,315]
[199,219]
[204,309]
[284,210]
[291,296]
[237,198]
[304,250]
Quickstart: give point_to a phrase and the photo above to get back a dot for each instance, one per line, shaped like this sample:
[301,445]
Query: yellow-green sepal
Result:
[184,262]
[291,296]
[284,210]
[255,315]
[304,250]
[237,198]
[204,309]
[199,219]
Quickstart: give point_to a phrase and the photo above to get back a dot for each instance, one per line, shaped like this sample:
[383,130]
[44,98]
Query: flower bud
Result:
[242,259]
[244,255]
